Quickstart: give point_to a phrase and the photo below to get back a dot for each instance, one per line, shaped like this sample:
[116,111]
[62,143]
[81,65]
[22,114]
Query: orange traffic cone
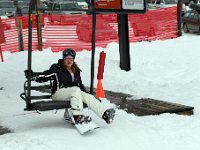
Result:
[99,90]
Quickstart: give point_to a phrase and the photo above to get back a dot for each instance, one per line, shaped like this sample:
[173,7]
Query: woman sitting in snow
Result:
[68,85]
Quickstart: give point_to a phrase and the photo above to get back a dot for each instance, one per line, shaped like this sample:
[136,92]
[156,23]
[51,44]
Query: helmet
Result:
[69,51]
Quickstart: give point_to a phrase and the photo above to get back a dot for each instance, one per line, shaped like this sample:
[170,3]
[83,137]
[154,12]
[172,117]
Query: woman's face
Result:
[68,61]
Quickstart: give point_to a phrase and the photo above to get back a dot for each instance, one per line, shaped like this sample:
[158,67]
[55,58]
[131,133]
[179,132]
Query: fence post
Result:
[38,22]
[19,27]
[20,33]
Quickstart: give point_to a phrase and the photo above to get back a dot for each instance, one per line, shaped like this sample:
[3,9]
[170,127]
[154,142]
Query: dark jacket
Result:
[61,77]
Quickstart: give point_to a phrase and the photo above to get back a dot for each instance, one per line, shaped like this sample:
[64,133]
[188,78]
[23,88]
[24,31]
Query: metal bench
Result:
[42,102]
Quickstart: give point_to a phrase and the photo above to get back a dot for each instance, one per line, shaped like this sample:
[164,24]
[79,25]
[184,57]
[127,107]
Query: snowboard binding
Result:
[76,119]
[109,115]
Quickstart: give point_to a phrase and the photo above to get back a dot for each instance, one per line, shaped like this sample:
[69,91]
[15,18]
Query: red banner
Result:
[107,4]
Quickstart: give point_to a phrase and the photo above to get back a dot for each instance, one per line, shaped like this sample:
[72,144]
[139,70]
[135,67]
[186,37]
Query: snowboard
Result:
[86,127]
[82,128]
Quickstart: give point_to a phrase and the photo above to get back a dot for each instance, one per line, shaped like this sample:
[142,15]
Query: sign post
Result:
[122,8]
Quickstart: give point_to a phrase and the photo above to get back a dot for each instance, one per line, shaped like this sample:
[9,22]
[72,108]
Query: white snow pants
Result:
[77,97]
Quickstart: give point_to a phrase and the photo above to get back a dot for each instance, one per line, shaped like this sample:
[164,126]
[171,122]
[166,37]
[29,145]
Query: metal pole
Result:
[123,34]
[28,100]
[93,49]
[179,16]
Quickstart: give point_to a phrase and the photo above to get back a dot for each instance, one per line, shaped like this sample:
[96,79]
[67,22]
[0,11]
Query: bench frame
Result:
[45,102]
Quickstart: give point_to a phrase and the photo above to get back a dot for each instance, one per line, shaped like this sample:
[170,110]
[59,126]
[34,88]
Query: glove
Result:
[33,78]
[26,73]
[37,79]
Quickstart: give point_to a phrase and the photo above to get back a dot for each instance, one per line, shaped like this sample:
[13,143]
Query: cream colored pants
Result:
[77,98]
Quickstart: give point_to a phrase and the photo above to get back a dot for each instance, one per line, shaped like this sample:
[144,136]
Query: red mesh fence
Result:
[61,31]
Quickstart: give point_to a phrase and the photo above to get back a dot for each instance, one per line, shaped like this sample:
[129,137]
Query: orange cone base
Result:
[99,90]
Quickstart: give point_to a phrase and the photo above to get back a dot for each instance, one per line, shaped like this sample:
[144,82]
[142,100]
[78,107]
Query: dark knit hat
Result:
[69,52]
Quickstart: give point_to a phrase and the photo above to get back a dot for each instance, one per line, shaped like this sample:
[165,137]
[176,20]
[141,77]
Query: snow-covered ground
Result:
[166,70]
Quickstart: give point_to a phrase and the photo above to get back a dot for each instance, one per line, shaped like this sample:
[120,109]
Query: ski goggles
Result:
[69,52]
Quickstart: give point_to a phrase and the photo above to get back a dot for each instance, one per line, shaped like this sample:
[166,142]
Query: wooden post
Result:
[39,29]
[20,28]
[20,34]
